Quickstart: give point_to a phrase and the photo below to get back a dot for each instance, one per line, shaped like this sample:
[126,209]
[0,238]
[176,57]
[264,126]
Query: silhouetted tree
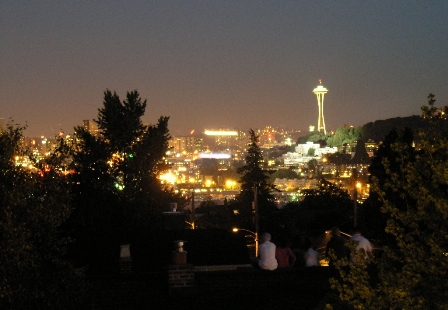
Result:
[320,210]
[339,158]
[361,156]
[117,193]
[35,273]
[371,208]
[253,175]
[327,206]
[214,216]
[283,174]
[120,122]
[378,129]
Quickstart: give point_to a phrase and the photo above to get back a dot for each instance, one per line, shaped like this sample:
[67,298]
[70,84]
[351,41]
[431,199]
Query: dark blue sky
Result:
[210,64]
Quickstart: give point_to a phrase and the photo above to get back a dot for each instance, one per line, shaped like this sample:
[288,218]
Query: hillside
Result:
[377,130]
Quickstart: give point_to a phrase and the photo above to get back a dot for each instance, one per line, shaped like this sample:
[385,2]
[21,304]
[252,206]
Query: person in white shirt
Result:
[363,243]
[311,256]
[266,253]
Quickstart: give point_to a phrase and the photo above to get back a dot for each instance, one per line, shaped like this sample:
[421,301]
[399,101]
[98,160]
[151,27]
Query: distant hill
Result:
[377,130]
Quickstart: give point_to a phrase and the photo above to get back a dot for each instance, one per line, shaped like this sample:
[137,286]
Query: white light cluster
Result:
[215,155]
[220,133]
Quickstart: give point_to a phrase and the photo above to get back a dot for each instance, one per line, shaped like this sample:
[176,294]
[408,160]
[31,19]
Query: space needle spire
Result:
[320,91]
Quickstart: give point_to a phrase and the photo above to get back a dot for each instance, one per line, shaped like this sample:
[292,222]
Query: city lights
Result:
[230,184]
[215,155]
[168,178]
[220,133]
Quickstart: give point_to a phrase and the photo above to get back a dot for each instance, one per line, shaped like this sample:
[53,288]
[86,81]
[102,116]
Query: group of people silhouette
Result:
[337,244]
[279,255]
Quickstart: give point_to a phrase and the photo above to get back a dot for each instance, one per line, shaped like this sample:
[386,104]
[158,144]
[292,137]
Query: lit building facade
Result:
[90,126]
[185,144]
[224,139]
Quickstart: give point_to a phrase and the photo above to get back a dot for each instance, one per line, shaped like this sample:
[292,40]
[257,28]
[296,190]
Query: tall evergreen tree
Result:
[120,122]
[361,156]
[253,176]
[116,187]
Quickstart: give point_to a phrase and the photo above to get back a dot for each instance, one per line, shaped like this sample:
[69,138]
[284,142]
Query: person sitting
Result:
[266,253]
[311,256]
[337,244]
[363,243]
[283,253]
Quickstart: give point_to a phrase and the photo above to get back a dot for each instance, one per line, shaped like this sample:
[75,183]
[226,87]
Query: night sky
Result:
[212,64]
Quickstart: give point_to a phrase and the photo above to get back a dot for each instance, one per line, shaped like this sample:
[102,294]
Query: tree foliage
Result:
[283,174]
[120,122]
[344,135]
[117,193]
[361,156]
[213,216]
[253,175]
[320,210]
[311,151]
[277,151]
[325,207]
[377,130]
[411,184]
[339,158]
[312,165]
[317,137]
[34,270]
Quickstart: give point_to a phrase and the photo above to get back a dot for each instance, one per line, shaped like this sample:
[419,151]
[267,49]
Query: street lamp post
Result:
[257,227]
[253,235]
[192,211]
[355,197]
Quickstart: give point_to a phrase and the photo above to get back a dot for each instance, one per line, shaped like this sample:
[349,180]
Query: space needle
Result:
[320,91]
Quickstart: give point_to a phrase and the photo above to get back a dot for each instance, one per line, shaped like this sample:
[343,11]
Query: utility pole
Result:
[192,210]
[255,208]
[355,197]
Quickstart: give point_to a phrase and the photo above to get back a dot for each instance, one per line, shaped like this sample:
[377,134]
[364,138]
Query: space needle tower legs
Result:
[320,91]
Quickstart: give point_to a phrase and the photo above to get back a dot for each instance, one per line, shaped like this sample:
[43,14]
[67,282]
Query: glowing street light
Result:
[341,232]
[253,235]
